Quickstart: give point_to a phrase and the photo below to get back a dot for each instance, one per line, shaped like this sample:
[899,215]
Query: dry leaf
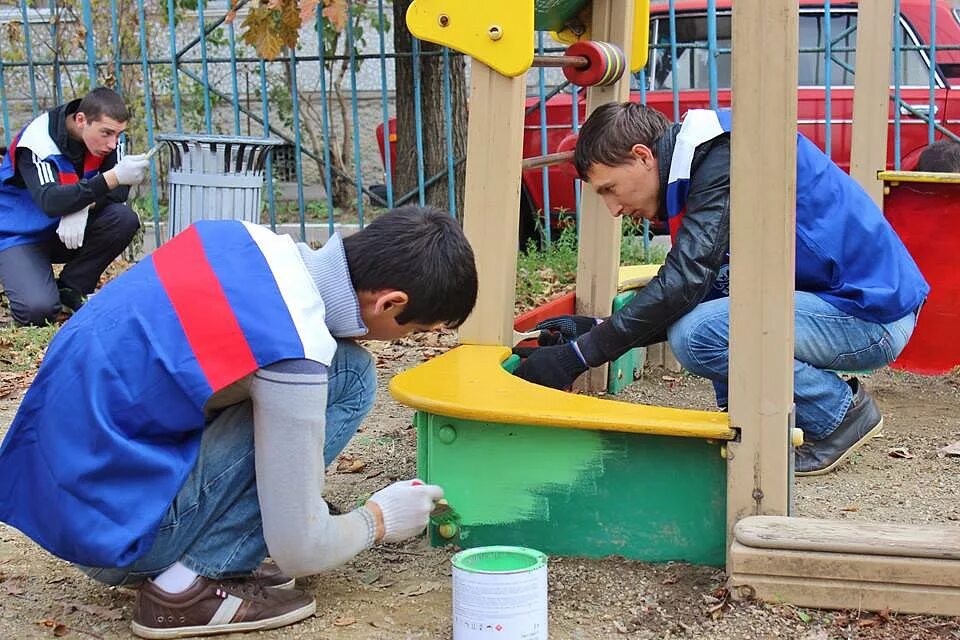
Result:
[421,589]
[107,613]
[900,452]
[344,622]
[336,12]
[350,465]
[952,449]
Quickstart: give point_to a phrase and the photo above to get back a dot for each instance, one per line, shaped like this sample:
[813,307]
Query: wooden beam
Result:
[871,95]
[598,257]
[762,235]
[491,214]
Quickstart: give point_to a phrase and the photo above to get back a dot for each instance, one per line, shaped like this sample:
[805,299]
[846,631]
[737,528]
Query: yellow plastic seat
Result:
[469,382]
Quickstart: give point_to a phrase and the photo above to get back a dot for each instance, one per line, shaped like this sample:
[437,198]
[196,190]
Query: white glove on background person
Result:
[406,507]
[132,170]
[72,226]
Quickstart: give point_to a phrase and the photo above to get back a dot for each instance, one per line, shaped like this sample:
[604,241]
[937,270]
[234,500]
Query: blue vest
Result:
[847,252]
[109,430]
[21,220]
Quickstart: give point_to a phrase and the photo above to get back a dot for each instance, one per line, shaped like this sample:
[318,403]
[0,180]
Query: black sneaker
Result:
[861,422]
[210,606]
[71,300]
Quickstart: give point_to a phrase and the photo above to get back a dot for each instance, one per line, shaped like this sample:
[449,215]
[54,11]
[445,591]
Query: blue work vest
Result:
[846,251]
[110,429]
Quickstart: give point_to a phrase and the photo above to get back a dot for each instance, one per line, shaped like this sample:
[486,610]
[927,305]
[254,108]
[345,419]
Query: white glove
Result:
[72,226]
[132,170]
[406,507]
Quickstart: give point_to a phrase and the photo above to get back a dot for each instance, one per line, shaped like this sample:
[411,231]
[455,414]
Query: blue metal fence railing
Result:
[332,100]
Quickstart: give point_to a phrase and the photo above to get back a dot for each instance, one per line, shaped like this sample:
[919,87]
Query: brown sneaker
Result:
[217,606]
[270,575]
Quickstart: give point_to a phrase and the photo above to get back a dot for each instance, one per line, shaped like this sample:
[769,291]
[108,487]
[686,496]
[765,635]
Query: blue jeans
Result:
[214,526]
[825,339]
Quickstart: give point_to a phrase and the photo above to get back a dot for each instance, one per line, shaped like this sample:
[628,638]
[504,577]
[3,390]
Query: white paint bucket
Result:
[499,593]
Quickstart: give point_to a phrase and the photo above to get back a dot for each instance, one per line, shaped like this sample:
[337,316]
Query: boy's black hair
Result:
[943,156]
[423,252]
[104,101]
[608,135]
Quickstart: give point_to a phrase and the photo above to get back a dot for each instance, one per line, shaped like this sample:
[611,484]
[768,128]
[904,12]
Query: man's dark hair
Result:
[943,156]
[104,101]
[608,135]
[423,252]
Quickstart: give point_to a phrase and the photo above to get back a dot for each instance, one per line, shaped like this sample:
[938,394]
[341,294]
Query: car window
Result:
[691,70]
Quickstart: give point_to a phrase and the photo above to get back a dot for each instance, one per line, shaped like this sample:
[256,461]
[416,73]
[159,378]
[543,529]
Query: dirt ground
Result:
[404,591]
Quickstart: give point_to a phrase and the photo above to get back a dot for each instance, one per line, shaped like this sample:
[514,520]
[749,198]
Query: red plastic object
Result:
[569,143]
[564,305]
[926,216]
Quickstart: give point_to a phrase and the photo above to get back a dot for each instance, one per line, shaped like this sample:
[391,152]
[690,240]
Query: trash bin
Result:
[215,177]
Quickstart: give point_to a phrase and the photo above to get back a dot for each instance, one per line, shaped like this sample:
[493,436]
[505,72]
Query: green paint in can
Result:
[500,590]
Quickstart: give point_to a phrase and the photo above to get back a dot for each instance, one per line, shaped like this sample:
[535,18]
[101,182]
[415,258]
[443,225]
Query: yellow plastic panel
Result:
[468,382]
[918,176]
[635,276]
[498,33]
[641,33]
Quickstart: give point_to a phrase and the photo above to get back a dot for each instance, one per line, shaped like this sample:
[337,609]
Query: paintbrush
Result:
[445,519]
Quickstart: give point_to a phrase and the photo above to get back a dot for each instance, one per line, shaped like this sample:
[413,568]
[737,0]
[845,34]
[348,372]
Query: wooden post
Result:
[762,237]
[598,257]
[491,213]
[871,95]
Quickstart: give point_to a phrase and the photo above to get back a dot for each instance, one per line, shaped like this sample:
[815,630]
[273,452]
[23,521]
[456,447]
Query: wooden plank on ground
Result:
[849,536]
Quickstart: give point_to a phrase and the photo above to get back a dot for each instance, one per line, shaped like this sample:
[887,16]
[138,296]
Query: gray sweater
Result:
[289,401]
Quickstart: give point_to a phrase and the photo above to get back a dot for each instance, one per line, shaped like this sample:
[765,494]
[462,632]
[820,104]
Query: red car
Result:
[691,82]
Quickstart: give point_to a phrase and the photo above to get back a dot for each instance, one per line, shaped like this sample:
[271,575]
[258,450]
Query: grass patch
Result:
[544,273]
[22,348]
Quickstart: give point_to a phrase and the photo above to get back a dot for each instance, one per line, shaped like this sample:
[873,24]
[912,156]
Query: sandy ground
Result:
[404,591]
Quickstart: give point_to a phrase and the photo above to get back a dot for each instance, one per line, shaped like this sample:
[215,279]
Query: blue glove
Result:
[556,367]
[560,329]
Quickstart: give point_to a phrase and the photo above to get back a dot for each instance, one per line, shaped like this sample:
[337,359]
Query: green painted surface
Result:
[499,559]
[627,368]
[551,15]
[579,493]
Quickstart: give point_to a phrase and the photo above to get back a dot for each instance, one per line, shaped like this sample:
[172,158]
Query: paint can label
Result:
[499,592]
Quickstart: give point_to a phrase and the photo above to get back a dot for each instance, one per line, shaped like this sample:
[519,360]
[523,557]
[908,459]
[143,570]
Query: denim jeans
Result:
[213,526]
[826,339]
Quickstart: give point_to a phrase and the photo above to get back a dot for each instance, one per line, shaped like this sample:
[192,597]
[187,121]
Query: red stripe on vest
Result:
[674,224]
[201,305]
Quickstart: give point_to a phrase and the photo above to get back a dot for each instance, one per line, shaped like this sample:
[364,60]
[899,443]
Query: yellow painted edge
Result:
[468,382]
[918,176]
[635,276]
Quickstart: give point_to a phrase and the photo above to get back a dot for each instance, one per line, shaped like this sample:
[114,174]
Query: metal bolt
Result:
[447,434]
[444,20]
[495,32]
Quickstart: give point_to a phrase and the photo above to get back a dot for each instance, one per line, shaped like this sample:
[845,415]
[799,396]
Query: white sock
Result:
[176,578]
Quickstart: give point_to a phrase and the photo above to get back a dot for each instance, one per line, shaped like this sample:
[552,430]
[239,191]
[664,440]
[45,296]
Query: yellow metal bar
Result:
[469,382]
[918,176]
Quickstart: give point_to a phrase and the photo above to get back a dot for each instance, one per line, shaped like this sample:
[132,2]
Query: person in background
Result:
[64,183]
[943,156]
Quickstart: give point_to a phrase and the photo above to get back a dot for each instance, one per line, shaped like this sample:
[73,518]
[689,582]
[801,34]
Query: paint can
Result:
[500,593]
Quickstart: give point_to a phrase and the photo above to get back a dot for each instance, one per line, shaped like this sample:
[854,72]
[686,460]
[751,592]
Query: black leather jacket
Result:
[698,251]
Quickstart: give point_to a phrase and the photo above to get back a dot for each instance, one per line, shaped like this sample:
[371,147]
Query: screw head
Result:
[495,32]
[447,434]
[443,20]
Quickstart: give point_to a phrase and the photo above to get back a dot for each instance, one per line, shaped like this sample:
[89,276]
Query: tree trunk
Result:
[433,118]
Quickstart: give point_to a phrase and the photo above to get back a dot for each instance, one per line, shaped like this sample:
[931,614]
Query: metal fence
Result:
[184,67]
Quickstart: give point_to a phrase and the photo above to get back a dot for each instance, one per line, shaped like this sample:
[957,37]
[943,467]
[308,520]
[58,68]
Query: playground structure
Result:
[586,476]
